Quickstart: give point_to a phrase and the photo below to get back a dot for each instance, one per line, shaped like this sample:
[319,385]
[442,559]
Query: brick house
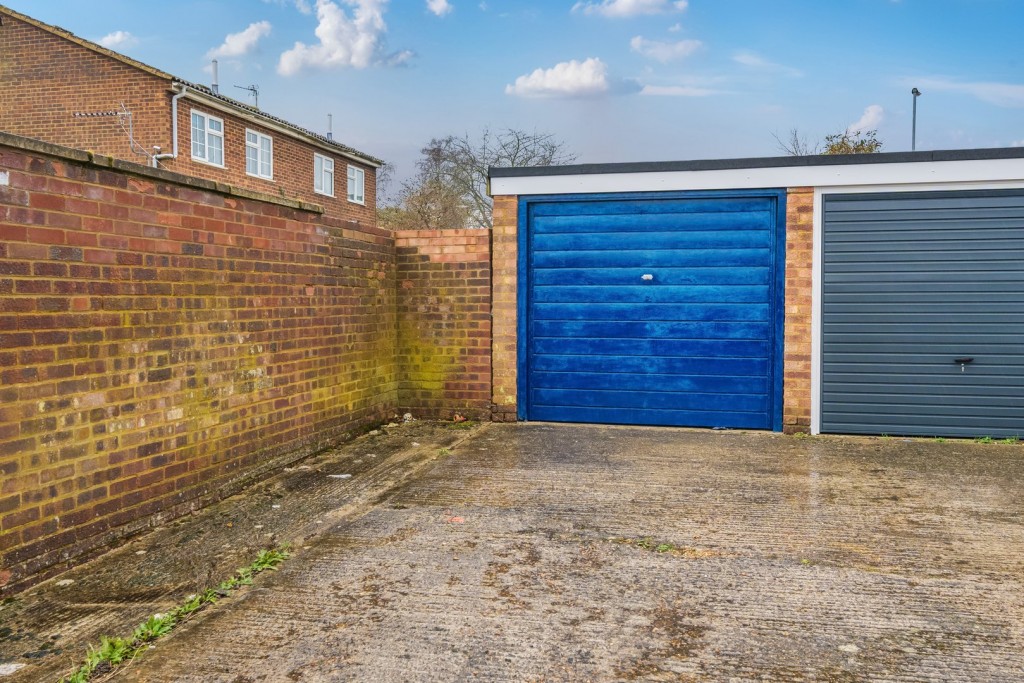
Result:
[63,89]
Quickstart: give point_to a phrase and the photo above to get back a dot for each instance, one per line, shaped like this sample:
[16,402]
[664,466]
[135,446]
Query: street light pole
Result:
[913,130]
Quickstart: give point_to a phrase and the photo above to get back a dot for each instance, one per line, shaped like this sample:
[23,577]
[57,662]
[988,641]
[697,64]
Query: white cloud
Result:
[568,79]
[355,41]
[241,43]
[118,40]
[1017,143]
[301,5]
[675,28]
[629,8]
[439,7]
[677,91]
[869,120]
[755,61]
[664,52]
[999,94]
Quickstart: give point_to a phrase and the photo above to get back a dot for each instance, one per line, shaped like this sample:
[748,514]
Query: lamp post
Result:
[913,130]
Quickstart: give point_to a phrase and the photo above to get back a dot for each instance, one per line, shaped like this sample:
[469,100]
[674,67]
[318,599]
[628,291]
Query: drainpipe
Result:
[174,127]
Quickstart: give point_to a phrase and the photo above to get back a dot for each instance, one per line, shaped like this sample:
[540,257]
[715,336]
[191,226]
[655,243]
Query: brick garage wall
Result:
[161,343]
[444,322]
[796,391]
[504,247]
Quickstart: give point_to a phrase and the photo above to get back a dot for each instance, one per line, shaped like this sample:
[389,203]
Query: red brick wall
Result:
[444,322]
[503,295]
[45,79]
[160,342]
[796,391]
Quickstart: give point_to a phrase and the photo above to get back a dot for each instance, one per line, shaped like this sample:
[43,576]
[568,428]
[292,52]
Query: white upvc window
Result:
[356,183]
[259,155]
[207,138]
[323,175]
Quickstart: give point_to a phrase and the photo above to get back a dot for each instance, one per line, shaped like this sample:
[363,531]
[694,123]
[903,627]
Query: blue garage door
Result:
[653,309]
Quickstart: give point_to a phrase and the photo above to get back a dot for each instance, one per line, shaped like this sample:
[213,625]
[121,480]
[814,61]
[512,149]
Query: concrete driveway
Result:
[539,552]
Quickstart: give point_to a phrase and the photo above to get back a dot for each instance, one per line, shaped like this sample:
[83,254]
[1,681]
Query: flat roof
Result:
[761,162]
[996,165]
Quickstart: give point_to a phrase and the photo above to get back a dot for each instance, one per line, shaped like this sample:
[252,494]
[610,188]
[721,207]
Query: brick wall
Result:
[444,322]
[46,78]
[796,392]
[161,342]
[504,248]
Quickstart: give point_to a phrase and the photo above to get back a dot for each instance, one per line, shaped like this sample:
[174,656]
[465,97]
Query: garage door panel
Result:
[708,275]
[649,312]
[706,384]
[669,348]
[655,400]
[652,367]
[654,311]
[651,294]
[642,241]
[642,206]
[911,282]
[646,330]
[650,258]
[600,225]
[648,416]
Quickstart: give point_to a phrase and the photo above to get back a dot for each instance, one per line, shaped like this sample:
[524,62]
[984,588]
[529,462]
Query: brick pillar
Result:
[796,393]
[504,270]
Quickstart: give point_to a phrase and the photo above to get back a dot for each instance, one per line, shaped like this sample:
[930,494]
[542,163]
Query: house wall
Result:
[444,322]
[45,79]
[163,341]
[293,166]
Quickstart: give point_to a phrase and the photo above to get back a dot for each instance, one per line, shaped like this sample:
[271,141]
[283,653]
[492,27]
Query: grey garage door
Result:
[923,314]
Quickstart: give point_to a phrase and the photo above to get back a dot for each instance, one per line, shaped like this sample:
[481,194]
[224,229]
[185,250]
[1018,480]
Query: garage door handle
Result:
[963,363]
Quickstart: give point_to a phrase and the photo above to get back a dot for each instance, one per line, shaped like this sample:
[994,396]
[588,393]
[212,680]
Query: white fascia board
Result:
[852,175]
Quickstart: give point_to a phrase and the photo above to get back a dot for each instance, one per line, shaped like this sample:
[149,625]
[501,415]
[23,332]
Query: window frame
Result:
[207,134]
[258,148]
[355,173]
[318,178]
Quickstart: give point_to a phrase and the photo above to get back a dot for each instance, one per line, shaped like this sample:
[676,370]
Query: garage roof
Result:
[999,164]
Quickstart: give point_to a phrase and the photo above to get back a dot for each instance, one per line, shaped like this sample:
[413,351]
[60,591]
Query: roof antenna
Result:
[254,90]
[215,86]
[330,126]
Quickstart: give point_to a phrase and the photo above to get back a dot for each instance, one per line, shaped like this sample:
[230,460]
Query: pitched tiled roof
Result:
[206,90]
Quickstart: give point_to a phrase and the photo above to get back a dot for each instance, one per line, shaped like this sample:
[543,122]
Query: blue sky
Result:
[617,80]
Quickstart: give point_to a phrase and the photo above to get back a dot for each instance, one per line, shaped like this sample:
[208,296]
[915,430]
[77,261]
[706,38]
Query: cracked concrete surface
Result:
[539,552]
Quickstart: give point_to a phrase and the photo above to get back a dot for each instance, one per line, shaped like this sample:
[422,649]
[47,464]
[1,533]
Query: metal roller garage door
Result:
[660,310]
[923,314]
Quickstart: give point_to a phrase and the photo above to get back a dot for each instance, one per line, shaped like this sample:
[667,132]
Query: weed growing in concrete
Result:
[443,452]
[983,439]
[940,439]
[1010,440]
[112,652]
[467,424]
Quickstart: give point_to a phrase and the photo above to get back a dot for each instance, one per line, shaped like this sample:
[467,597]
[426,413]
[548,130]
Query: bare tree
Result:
[450,186]
[845,142]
